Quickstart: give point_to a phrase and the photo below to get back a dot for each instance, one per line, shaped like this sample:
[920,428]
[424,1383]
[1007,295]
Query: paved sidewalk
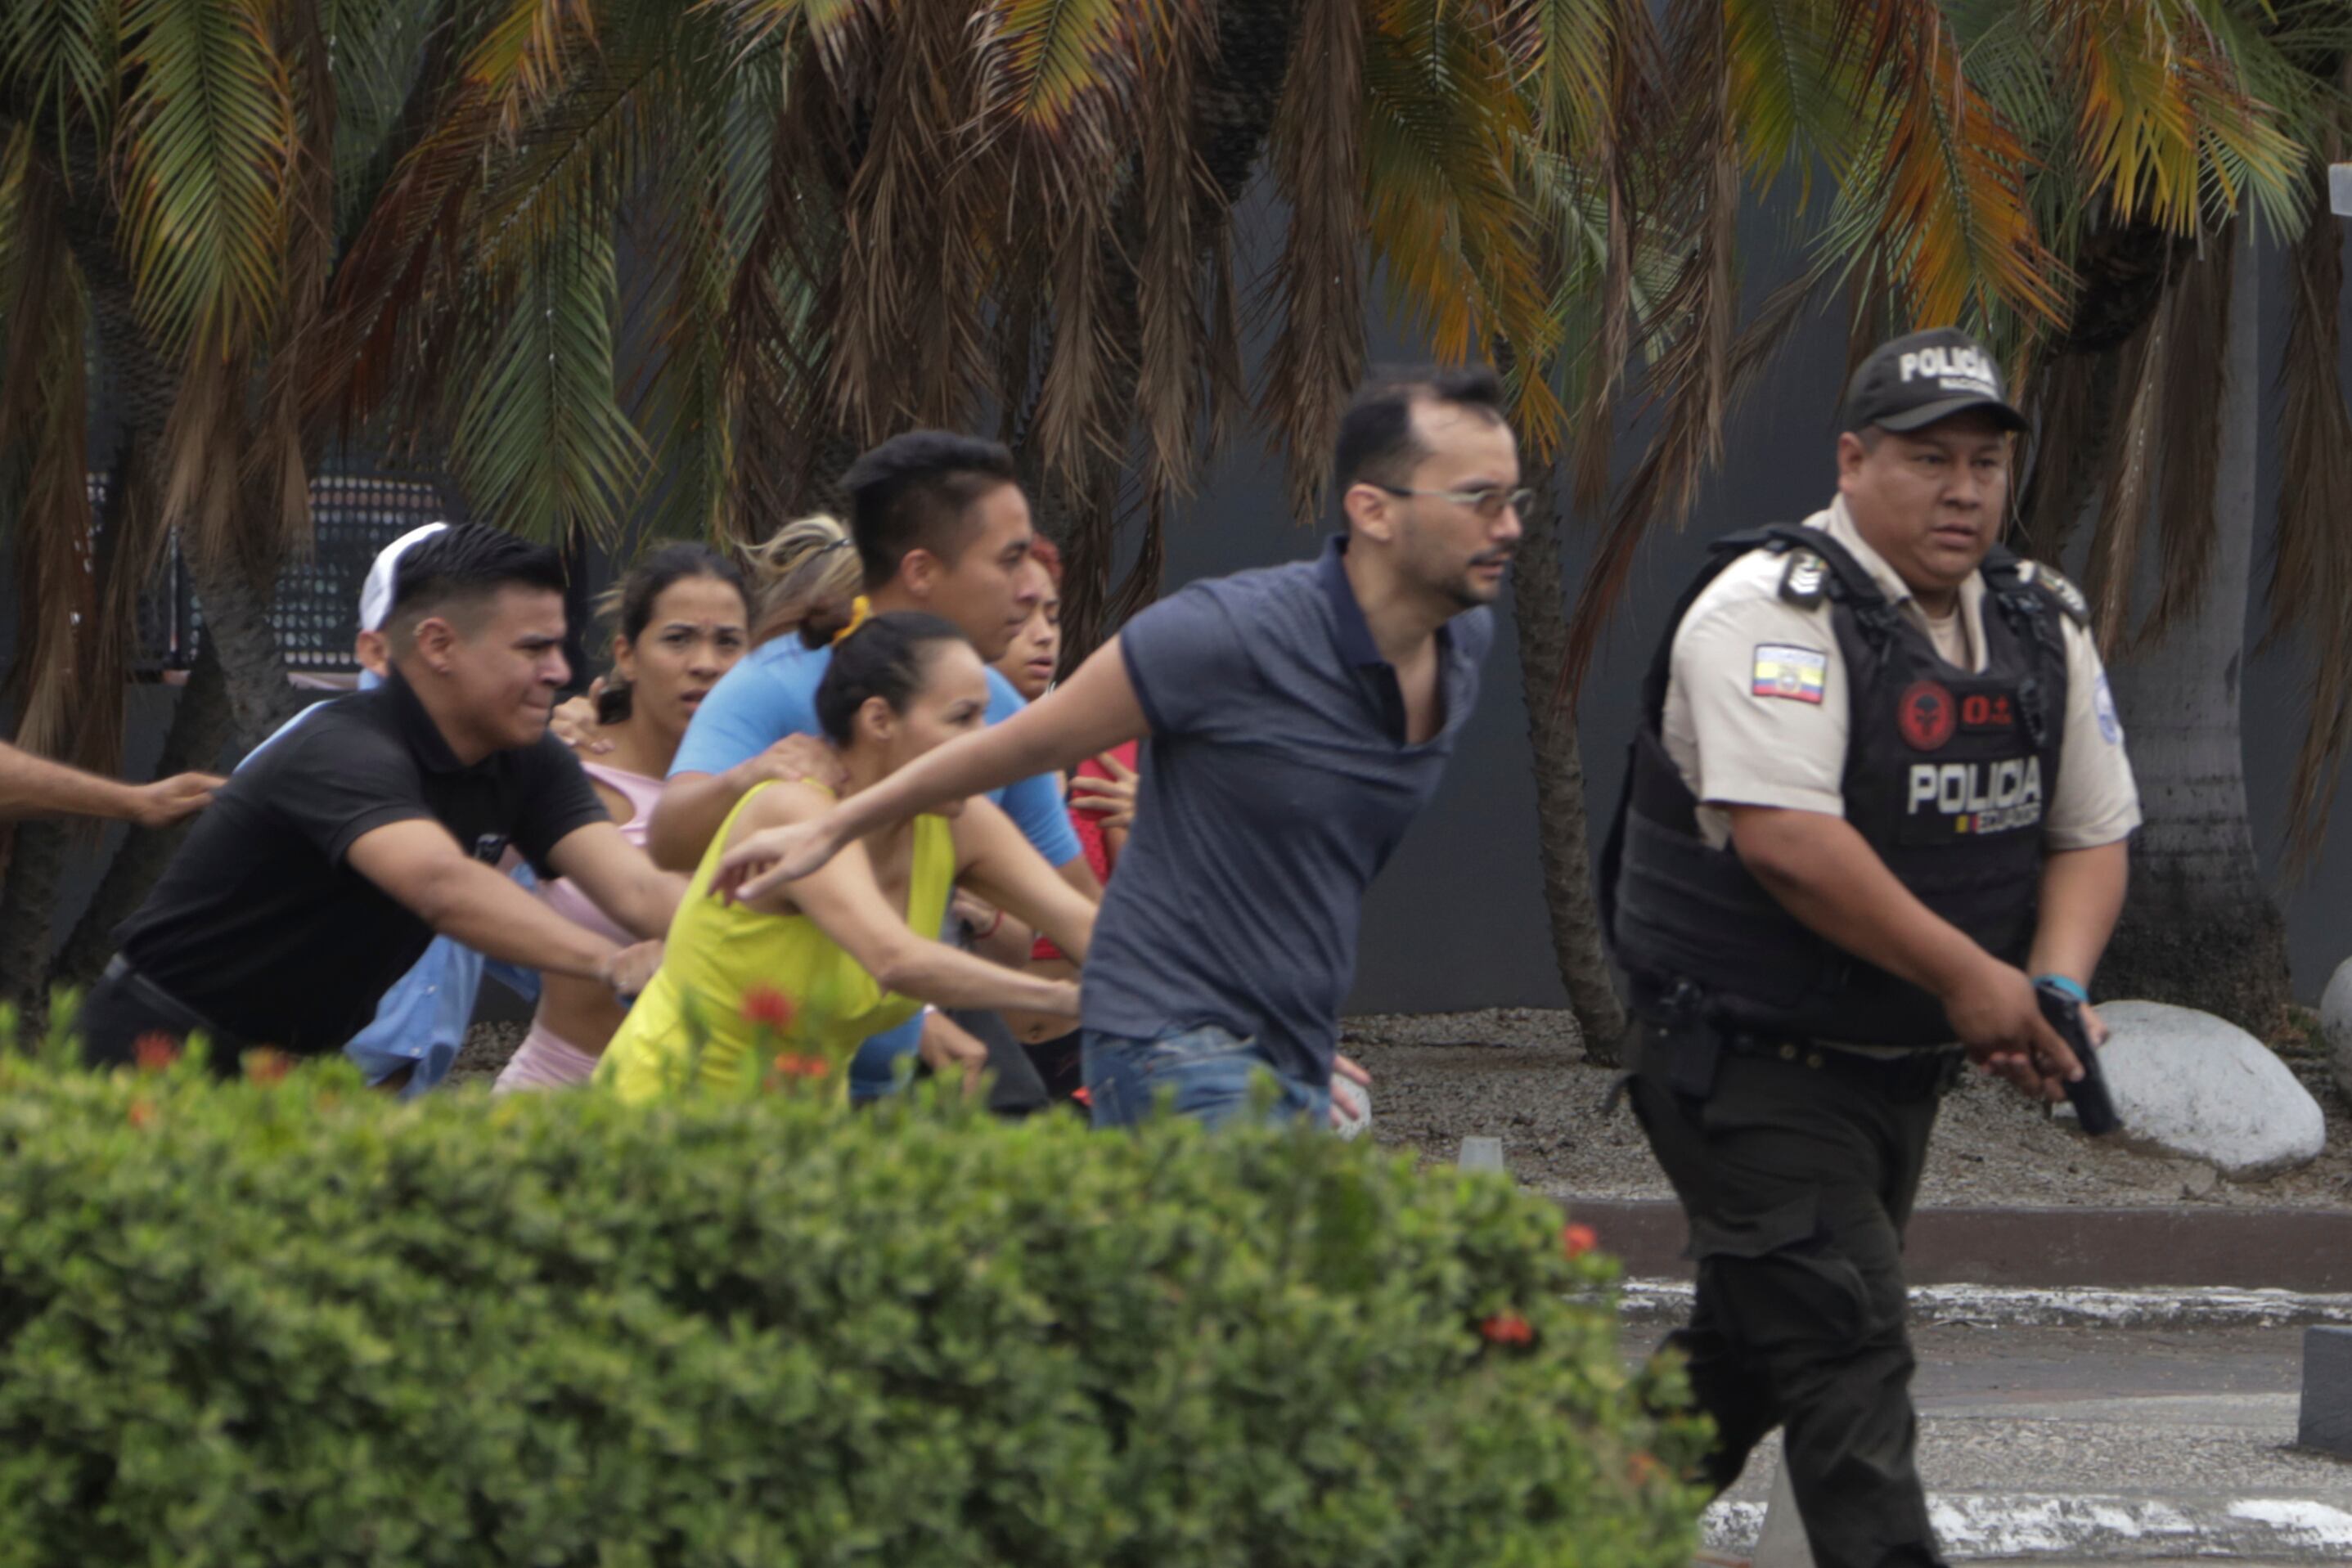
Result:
[2146,1444]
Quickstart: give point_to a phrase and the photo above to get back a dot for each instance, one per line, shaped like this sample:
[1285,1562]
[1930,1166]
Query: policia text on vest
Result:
[1875,787]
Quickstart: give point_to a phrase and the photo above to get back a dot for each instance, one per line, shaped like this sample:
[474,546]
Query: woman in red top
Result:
[1102,809]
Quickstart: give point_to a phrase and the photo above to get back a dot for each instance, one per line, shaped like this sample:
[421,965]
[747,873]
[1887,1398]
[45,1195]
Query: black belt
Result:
[123,974]
[1929,1069]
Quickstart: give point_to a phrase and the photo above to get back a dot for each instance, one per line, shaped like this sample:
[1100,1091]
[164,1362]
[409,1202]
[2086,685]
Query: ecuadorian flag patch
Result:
[1783,670]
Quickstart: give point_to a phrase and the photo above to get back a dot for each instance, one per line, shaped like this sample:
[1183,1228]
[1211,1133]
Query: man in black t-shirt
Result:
[324,869]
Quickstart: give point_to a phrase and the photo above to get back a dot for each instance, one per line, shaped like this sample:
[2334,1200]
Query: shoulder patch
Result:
[1804,579]
[2069,597]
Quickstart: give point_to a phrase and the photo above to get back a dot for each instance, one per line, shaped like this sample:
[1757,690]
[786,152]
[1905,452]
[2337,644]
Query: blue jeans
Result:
[1207,1073]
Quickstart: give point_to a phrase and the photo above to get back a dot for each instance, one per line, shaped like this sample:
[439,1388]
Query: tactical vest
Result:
[1948,775]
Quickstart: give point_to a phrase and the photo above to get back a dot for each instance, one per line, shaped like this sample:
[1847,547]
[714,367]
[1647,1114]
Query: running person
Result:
[1298,720]
[850,950]
[682,620]
[1879,783]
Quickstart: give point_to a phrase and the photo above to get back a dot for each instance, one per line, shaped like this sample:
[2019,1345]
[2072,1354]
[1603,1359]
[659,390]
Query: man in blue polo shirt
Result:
[939,524]
[1298,720]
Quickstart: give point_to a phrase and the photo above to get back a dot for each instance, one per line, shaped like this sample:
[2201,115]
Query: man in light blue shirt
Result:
[938,524]
[420,1025]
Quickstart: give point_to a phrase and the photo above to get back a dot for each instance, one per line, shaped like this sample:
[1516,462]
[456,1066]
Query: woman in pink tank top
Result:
[683,619]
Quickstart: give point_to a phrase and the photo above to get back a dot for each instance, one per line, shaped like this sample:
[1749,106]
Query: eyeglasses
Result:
[1488,500]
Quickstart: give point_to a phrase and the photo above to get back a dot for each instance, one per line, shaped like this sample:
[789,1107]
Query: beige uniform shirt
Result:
[1787,747]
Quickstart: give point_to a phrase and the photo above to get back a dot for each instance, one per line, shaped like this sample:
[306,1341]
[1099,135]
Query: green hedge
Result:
[303,1324]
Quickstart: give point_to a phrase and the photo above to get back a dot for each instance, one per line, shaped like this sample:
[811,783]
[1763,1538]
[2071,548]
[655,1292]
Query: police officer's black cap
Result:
[1916,382]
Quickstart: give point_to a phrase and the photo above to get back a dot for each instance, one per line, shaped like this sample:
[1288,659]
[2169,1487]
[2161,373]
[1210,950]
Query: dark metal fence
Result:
[316,614]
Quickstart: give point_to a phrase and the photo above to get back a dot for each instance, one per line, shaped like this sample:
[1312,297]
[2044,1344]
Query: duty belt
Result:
[122,973]
[1928,1070]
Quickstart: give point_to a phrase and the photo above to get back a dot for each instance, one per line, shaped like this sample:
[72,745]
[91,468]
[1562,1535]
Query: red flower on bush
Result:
[766,1004]
[143,1114]
[1643,1468]
[792,1066]
[1508,1328]
[157,1051]
[268,1066]
[1576,1240]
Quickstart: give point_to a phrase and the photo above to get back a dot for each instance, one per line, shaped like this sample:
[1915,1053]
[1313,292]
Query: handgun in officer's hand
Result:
[2094,1108]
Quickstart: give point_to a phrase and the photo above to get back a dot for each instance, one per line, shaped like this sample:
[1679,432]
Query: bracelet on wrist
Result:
[2067,983]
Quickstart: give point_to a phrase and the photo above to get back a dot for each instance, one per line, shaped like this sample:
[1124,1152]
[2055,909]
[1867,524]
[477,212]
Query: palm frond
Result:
[909,336]
[542,443]
[1055,53]
[211,142]
[1174,349]
[279,459]
[62,56]
[1443,115]
[2132,461]
[1315,291]
[1646,494]
[1955,222]
[2189,514]
[43,418]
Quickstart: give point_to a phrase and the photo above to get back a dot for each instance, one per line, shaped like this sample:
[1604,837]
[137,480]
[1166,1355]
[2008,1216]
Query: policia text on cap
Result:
[1879,787]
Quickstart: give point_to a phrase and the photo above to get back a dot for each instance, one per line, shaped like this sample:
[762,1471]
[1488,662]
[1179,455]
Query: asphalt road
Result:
[2144,1445]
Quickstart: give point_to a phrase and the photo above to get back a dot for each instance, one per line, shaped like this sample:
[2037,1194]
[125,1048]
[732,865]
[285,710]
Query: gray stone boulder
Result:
[2199,1087]
[2335,1025]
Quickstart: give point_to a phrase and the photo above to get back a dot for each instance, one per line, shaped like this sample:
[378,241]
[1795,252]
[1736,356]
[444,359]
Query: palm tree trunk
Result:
[1537,599]
[201,727]
[2200,930]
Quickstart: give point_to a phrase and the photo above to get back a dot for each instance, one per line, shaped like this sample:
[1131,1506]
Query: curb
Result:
[1669,1301]
[2308,1250]
[1979,1526]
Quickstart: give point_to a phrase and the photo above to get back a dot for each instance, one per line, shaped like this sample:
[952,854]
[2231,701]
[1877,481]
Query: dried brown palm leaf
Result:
[2074,402]
[1174,349]
[2311,582]
[44,415]
[2129,482]
[2189,434]
[909,336]
[1317,294]
[281,464]
[1647,492]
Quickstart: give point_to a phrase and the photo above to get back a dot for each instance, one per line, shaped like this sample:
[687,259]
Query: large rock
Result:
[2335,1025]
[2194,1085]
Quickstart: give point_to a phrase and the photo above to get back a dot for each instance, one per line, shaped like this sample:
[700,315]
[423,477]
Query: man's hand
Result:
[574,722]
[1110,801]
[1998,1017]
[793,758]
[168,800]
[631,970]
[772,857]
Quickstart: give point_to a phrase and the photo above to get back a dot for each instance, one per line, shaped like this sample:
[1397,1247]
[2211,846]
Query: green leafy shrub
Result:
[299,1322]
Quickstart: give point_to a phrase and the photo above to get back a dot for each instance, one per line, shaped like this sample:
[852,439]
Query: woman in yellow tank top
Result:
[852,951]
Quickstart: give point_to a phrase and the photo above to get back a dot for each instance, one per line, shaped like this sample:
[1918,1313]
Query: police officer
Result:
[1879,789]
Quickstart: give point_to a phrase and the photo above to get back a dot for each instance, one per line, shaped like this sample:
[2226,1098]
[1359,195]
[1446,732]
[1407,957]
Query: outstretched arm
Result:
[32,786]
[420,866]
[634,893]
[1093,711]
[999,867]
[845,898]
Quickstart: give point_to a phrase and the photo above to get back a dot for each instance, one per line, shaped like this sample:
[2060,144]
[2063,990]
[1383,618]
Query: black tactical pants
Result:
[1798,1177]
